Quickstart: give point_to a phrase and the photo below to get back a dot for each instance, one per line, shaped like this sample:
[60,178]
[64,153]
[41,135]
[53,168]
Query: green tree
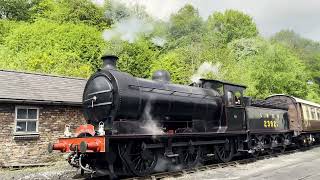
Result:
[243,48]
[273,70]
[20,10]
[231,25]
[76,11]
[53,48]
[5,27]
[175,63]
[134,58]
[306,49]
[184,22]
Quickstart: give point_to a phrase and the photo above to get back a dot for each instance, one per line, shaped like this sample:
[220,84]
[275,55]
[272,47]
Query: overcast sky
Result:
[271,16]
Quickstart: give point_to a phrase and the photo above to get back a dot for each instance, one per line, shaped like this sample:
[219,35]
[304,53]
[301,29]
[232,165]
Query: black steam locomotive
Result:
[133,123]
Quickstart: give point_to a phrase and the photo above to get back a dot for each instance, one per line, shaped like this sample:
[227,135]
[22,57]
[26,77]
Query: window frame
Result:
[230,98]
[313,113]
[16,120]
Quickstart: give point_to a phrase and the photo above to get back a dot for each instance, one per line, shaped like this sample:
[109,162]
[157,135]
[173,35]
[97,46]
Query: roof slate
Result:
[32,87]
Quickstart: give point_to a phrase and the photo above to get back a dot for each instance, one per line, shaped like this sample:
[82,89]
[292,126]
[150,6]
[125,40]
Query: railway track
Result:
[179,173]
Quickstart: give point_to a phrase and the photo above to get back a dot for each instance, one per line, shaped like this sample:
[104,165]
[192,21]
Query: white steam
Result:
[98,2]
[150,126]
[205,69]
[165,164]
[128,29]
[158,41]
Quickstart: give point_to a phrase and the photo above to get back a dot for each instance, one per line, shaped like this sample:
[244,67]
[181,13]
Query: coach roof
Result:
[23,87]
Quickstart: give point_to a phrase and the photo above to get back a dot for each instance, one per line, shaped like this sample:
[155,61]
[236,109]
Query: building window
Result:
[27,119]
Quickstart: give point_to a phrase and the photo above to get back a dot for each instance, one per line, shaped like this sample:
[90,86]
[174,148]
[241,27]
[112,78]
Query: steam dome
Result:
[161,75]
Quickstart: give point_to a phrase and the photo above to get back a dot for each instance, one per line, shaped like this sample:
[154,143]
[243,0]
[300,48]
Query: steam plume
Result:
[128,29]
[159,41]
[205,69]
[150,126]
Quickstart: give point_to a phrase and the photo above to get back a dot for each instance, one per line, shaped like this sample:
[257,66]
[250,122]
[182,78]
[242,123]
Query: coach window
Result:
[26,120]
[313,114]
[318,113]
[306,112]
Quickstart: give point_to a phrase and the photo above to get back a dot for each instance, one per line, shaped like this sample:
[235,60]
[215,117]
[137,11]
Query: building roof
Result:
[36,88]
[298,100]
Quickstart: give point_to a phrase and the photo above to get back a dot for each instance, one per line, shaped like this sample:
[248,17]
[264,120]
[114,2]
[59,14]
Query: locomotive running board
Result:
[181,144]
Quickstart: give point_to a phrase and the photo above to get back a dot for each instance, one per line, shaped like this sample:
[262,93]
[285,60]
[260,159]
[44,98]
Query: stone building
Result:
[34,109]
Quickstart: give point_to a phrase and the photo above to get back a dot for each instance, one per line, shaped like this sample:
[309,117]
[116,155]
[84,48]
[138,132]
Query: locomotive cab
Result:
[234,107]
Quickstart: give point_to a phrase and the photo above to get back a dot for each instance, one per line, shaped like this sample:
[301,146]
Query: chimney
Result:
[109,62]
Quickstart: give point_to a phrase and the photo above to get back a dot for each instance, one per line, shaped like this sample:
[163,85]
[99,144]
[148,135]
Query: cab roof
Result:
[224,82]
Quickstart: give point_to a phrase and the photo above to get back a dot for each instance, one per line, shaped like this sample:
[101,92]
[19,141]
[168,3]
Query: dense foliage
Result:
[66,37]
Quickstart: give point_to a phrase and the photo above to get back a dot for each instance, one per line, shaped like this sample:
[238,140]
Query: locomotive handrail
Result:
[95,93]
[99,104]
[152,88]
[100,92]
[189,94]
[90,99]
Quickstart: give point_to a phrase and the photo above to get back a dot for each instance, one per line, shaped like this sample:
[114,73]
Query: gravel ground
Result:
[297,166]
[60,170]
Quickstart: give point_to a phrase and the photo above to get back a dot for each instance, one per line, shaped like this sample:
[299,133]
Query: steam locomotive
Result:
[133,123]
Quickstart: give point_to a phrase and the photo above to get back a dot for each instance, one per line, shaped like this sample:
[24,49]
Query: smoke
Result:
[150,125]
[162,164]
[159,41]
[128,29]
[98,2]
[165,164]
[205,69]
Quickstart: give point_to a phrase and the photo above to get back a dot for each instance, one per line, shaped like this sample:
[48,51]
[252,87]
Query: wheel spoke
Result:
[224,153]
[185,159]
[137,164]
[141,166]
[140,162]
[189,157]
[135,159]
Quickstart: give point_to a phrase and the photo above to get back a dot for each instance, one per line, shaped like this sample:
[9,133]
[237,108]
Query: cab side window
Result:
[237,98]
[230,98]
[234,98]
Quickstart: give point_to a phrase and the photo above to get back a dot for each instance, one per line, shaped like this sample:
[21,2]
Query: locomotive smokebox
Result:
[109,61]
